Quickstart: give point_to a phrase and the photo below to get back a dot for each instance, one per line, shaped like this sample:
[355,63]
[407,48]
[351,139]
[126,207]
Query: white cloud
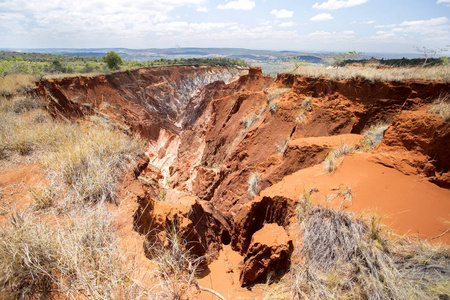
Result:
[369,22]
[386,26]
[238,4]
[282,13]
[322,17]
[435,31]
[443,1]
[337,4]
[430,22]
[202,9]
[287,24]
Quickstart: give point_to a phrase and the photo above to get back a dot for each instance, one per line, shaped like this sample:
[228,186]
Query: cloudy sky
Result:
[310,25]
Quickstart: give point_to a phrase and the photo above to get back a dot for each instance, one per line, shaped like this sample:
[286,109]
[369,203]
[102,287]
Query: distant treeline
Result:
[45,57]
[400,62]
[44,63]
[219,61]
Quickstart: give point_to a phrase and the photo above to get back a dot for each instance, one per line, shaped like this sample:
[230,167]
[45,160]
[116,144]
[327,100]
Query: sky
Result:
[374,26]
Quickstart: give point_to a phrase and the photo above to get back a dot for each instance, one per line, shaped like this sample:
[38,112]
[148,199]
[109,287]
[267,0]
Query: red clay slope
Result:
[211,141]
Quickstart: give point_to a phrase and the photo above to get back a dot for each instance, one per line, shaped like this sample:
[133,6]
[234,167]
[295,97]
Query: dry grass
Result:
[374,74]
[45,196]
[249,120]
[335,157]
[88,158]
[282,147]
[274,94]
[78,257]
[373,136]
[177,268]
[13,83]
[253,182]
[25,134]
[344,257]
[441,106]
[20,104]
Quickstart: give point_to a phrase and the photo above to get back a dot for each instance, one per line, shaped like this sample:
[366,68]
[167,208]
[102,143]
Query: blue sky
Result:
[394,26]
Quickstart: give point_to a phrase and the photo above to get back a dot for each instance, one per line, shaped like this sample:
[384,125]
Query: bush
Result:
[113,60]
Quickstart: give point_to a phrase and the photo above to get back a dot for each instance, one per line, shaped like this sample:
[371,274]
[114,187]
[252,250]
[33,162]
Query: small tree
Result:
[112,60]
[427,52]
[340,58]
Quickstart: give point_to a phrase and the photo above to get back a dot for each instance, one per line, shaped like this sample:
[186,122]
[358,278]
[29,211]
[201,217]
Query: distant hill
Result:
[172,53]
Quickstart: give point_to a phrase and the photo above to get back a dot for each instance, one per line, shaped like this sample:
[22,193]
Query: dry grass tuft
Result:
[25,134]
[253,182]
[44,196]
[249,120]
[373,136]
[274,94]
[335,157]
[374,74]
[441,106]
[345,258]
[177,268]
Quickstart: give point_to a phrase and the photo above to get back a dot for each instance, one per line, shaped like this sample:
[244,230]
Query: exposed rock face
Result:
[255,214]
[269,251]
[423,141]
[146,100]
[208,134]
[202,228]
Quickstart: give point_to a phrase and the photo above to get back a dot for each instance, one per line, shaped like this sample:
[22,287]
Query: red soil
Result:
[206,141]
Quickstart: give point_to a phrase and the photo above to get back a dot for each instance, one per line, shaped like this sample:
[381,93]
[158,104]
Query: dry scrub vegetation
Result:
[375,74]
[343,256]
[441,106]
[79,257]
[371,138]
[65,243]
